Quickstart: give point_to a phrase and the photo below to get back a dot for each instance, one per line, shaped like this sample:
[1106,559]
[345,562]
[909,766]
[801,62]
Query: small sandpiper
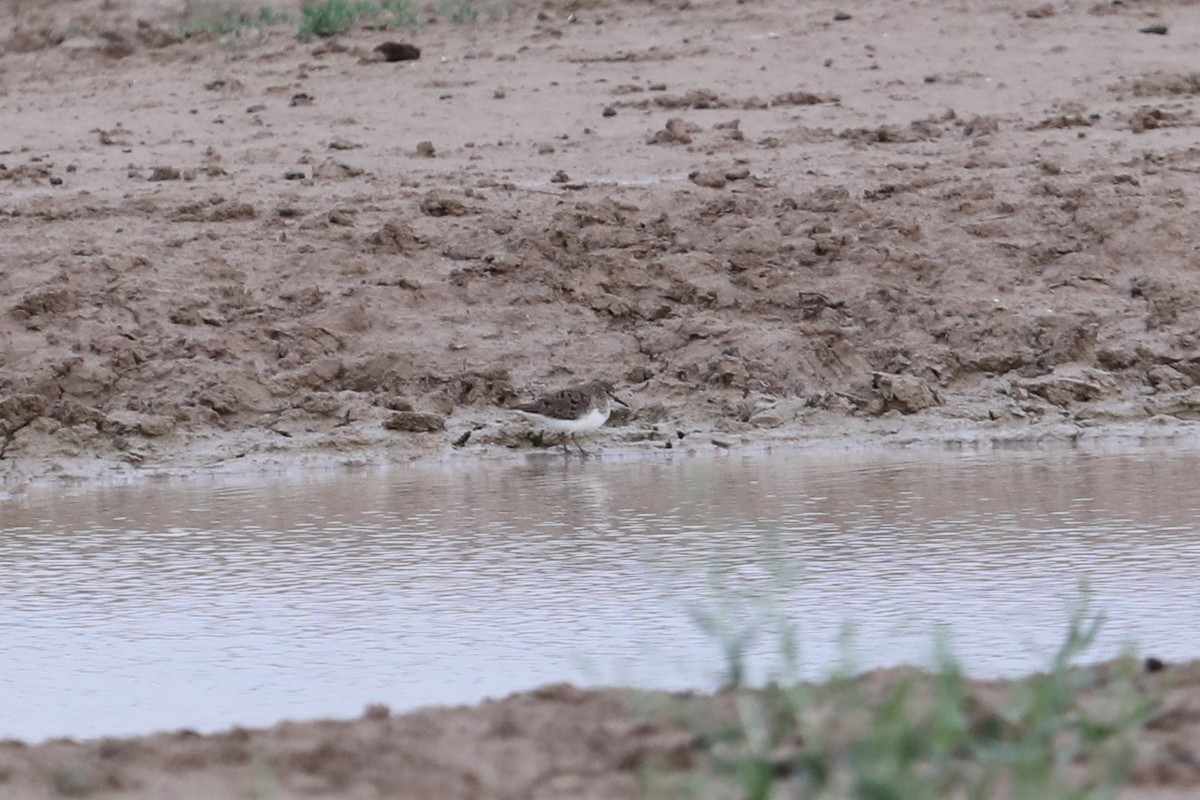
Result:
[579,409]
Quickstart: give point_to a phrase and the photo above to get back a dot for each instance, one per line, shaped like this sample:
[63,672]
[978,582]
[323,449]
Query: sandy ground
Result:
[763,223]
[556,742]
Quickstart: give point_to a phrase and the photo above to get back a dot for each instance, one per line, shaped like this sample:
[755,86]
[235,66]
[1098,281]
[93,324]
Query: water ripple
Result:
[210,603]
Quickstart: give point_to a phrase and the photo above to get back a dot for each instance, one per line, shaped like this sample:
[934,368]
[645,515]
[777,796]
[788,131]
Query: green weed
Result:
[1065,734]
[459,11]
[404,13]
[332,17]
[225,18]
[268,17]
[325,18]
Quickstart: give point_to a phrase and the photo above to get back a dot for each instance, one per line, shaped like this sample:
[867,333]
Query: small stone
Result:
[294,175]
[377,712]
[766,419]
[841,16]
[396,236]
[1165,378]
[70,412]
[56,181]
[440,204]
[608,111]
[398,51]
[1062,387]
[231,211]
[1159,30]
[156,425]
[165,174]
[114,45]
[905,393]
[414,422]
[711,180]
[426,149]
[676,131]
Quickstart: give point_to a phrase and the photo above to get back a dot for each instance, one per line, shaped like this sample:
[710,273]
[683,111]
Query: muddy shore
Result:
[765,224]
[761,224]
[557,741]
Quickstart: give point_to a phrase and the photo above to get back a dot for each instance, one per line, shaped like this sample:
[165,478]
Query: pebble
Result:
[398,51]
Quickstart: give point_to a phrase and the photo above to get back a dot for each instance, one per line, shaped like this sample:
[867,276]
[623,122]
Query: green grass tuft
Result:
[268,17]
[404,13]
[225,18]
[325,18]
[332,17]
[459,11]
[1065,734]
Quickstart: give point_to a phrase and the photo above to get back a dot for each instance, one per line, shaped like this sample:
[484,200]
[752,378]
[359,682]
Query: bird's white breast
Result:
[588,422]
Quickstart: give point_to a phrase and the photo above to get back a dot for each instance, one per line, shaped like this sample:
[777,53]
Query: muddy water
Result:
[217,601]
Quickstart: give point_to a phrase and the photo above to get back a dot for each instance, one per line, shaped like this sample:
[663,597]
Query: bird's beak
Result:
[619,400]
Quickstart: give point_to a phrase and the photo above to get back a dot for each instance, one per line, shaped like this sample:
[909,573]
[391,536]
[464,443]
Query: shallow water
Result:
[214,602]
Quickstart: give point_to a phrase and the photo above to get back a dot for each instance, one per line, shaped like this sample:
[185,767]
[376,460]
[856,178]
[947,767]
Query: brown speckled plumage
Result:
[587,405]
[570,403]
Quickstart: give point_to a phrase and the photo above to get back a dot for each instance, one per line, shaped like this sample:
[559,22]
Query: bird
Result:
[574,410]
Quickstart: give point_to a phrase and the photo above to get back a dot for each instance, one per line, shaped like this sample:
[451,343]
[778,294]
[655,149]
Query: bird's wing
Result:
[563,404]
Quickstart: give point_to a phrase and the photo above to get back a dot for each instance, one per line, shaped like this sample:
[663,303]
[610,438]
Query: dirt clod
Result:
[676,131]
[398,51]
[414,422]
[165,174]
[709,178]
[441,204]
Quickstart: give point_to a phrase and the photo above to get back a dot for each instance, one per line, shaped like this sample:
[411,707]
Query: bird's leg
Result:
[562,439]
[582,452]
